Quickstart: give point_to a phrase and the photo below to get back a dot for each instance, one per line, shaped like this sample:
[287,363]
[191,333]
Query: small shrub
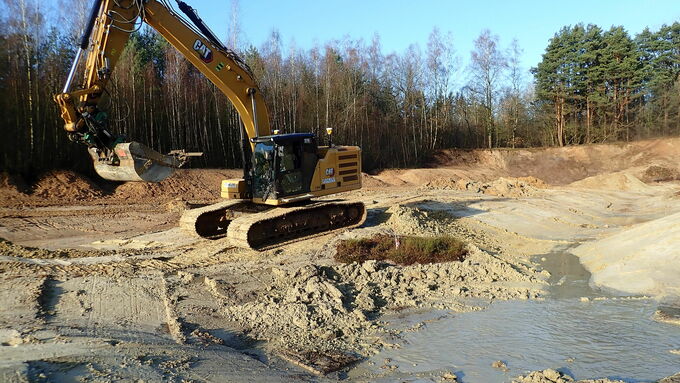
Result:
[657,173]
[411,249]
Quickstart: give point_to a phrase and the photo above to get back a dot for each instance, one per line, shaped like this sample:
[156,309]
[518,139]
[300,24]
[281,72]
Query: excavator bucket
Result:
[137,162]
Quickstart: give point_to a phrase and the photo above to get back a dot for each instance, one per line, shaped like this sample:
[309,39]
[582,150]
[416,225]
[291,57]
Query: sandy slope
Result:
[642,259]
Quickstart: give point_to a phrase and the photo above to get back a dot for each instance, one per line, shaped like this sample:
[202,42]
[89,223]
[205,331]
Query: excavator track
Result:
[212,221]
[262,227]
[279,226]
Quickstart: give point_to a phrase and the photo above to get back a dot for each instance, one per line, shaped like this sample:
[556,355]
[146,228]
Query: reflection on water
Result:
[599,337]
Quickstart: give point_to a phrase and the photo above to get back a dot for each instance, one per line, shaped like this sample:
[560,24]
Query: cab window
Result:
[262,169]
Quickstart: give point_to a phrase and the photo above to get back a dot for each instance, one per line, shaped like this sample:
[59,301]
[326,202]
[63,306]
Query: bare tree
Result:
[486,68]
[515,91]
[234,28]
[440,63]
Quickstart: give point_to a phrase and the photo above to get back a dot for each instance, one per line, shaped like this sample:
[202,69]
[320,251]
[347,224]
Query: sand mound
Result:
[413,220]
[12,189]
[13,183]
[471,158]
[620,181]
[369,181]
[502,187]
[65,185]
[643,259]
[560,166]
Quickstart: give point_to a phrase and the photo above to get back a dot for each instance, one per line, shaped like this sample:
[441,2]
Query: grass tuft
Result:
[411,249]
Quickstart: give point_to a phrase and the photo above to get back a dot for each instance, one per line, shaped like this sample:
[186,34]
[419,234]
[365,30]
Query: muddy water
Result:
[604,336]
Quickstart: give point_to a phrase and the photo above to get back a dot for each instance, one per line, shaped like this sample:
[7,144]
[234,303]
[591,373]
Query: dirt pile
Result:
[545,376]
[554,376]
[620,181]
[369,181]
[187,185]
[560,166]
[60,187]
[12,189]
[10,249]
[54,187]
[335,307]
[502,187]
[65,186]
[669,314]
[414,220]
[671,379]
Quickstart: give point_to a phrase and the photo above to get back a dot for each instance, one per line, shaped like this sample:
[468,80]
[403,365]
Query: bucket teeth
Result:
[135,162]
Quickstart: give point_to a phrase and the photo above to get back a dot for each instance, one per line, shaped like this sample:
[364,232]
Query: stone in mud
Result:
[370,266]
[671,379]
[554,376]
[499,364]
[319,362]
[668,314]
[545,376]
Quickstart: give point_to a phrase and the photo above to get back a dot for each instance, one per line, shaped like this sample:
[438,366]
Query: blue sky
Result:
[401,23]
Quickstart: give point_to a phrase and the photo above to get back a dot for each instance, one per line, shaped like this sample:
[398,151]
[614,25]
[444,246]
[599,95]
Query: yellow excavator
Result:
[272,204]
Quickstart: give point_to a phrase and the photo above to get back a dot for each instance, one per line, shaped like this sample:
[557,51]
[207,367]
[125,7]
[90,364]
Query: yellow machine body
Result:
[338,171]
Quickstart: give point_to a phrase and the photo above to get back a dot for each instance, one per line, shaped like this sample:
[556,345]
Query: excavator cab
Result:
[283,165]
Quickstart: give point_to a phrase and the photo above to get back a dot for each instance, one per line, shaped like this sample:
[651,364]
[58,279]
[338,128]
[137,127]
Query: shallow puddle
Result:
[603,336]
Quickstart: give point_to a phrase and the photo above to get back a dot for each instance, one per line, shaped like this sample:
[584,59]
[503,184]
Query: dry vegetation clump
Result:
[404,250]
[656,173]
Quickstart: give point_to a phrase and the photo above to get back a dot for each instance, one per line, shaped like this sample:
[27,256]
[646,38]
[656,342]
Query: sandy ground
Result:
[99,283]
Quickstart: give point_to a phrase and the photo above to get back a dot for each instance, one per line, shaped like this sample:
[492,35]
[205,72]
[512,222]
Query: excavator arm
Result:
[109,27]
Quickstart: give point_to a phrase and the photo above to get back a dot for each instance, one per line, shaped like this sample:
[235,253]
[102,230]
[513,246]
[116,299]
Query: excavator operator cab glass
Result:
[262,169]
[283,165]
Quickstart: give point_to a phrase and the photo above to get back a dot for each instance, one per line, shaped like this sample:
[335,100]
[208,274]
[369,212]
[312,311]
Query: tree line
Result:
[592,85]
[606,85]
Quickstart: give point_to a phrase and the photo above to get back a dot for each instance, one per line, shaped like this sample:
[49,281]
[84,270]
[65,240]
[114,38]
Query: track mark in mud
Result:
[215,288]
[47,298]
[183,331]
[175,324]
[320,363]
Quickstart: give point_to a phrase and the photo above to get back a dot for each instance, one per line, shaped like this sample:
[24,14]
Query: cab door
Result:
[290,174]
[296,166]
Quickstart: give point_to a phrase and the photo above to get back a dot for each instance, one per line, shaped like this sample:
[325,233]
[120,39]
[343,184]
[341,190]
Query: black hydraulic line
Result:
[193,16]
[85,40]
[245,150]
